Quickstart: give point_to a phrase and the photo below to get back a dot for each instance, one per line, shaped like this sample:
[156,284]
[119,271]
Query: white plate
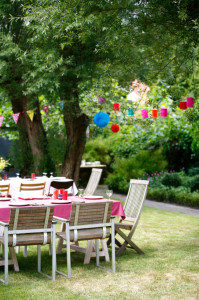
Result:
[5,199]
[93,197]
[19,203]
[60,201]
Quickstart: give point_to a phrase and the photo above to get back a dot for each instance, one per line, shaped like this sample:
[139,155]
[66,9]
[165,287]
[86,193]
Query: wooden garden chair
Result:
[4,188]
[33,187]
[88,221]
[29,226]
[93,181]
[132,208]
[29,189]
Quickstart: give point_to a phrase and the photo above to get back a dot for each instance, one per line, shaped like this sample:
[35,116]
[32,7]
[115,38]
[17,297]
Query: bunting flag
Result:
[1,120]
[30,114]
[15,117]
[45,108]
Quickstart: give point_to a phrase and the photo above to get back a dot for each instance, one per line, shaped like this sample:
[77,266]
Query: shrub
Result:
[172,180]
[125,169]
[180,195]
[194,184]
[193,171]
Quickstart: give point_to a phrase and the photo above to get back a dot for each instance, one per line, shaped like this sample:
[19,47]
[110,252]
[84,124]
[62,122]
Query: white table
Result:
[15,183]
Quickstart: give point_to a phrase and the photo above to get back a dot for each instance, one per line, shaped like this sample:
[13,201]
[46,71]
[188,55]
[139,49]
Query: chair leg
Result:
[39,258]
[97,252]
[14,259]
[50,249]
[127,241]
[25,251]
[5,281]
[68,251]
[17,249]
[53,248]
[113,244]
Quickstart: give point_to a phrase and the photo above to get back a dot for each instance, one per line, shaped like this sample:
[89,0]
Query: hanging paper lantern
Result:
[1,120]
[101,119]
[190,102]
[116,106]
[183,105]
[144,113]
[130,112]
[115,128]
[163,112]
[154,113]
[101,100]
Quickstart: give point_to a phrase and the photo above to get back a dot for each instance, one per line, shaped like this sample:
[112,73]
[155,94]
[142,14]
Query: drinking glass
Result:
[109,193]
[81,192]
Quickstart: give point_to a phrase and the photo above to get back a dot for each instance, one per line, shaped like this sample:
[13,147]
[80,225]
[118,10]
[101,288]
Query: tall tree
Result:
[13,66]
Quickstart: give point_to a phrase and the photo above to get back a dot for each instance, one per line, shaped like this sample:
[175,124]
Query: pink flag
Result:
[45,108]
[1,120]
[16,117]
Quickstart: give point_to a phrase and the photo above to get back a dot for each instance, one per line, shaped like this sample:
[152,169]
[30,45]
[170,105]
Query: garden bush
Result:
[194,183]
[172,179]
[193,171]
[125,169]
[180,195]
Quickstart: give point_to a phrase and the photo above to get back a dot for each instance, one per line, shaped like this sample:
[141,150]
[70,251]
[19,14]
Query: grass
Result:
[167,270]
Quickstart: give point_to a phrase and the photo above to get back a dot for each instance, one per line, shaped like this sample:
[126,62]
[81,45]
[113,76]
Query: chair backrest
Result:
[25,218]
[33,187]
[135,199]
[90,213]
[30,226]
[93,181]
[5,188]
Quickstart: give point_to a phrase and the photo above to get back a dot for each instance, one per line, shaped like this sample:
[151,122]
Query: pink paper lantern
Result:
[190,102]
[144,113]
[163,112]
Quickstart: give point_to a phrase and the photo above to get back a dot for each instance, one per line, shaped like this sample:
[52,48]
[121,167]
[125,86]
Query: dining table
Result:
[15,183]
[61,210]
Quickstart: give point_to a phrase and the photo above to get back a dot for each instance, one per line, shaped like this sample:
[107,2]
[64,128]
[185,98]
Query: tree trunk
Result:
[34,135]
[76,124]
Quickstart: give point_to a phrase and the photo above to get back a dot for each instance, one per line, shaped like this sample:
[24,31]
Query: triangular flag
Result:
[1,120]
[45,108]
[16,117]
[31,114]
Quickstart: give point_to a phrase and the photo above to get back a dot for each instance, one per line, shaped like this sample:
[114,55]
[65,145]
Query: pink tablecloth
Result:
[60,210]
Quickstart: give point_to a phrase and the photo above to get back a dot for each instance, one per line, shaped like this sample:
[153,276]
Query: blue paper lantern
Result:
[130,112]
[101,119]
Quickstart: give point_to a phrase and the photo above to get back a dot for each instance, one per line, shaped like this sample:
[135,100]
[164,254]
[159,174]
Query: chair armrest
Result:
[3,224]
[60,219]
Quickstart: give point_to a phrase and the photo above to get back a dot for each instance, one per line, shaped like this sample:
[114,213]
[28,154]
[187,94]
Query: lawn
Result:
[168,269]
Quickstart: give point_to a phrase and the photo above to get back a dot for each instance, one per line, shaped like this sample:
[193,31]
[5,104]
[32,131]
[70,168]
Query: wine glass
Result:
[81,192]
[51,174]
[17,175]
[44,174]
[109,193]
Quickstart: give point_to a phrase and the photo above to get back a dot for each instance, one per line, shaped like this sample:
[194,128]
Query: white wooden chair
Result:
[5,188]
[88,221]
[132,208]
[29,226]
[93,181]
